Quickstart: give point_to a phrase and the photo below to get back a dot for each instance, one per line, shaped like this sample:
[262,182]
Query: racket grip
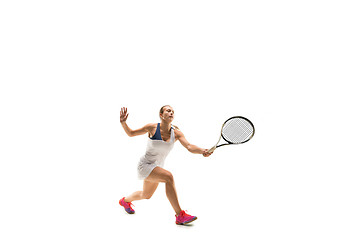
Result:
[211,150]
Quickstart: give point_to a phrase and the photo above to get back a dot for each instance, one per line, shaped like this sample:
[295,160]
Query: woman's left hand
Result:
[206,153]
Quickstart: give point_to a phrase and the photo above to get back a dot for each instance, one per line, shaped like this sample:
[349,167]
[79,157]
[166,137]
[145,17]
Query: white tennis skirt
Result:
[145,168]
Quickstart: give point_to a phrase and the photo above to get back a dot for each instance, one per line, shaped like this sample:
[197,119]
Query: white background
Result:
[67,67]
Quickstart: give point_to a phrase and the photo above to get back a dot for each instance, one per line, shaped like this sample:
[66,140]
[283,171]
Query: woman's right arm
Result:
[132,133]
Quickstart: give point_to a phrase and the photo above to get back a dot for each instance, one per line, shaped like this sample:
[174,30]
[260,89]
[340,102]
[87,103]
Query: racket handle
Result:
[211,150]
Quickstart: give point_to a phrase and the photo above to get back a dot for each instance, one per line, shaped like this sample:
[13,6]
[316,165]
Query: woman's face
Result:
[168,114]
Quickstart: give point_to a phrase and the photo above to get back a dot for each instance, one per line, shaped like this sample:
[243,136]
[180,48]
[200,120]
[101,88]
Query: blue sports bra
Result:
[157,135]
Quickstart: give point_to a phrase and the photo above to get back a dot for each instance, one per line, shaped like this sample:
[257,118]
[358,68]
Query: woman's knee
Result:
[168,177]
[161,175]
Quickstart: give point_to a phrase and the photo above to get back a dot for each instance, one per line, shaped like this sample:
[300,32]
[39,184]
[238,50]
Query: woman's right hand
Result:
[123,114]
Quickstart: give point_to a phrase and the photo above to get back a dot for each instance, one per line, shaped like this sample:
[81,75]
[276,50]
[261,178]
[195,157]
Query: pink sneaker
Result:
[127,206]
[184,218]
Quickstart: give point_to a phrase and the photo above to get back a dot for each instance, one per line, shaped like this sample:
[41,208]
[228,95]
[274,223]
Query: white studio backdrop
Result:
[290,66]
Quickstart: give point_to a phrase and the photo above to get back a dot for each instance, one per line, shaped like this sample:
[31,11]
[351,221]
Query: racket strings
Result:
[237,130]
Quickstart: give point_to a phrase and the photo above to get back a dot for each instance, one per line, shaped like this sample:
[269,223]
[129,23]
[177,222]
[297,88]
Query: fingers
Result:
[206,153]
[123,114]
[123,111]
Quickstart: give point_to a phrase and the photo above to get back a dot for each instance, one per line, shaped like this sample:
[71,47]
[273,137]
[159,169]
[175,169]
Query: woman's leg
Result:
[148,190]
[161,175]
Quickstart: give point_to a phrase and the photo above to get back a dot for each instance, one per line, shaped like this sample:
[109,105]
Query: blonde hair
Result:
[162,111]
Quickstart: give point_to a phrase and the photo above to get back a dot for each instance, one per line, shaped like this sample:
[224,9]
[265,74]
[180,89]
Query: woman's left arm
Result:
[191,147]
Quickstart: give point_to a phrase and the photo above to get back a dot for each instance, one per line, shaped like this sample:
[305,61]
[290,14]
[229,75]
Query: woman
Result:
[162,137]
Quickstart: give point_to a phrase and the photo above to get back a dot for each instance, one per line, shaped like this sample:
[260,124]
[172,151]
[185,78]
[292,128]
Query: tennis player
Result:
[162,137]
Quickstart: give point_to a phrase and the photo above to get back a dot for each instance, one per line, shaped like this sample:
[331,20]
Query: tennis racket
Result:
[235,130]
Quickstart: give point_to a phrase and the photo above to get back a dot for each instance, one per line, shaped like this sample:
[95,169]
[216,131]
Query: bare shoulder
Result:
[178,133]
[150,126]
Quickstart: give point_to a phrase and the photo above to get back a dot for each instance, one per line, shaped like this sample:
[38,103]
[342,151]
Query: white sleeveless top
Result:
[156,152]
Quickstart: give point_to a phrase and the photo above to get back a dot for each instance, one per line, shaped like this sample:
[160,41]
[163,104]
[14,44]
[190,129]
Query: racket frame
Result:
[228,142]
